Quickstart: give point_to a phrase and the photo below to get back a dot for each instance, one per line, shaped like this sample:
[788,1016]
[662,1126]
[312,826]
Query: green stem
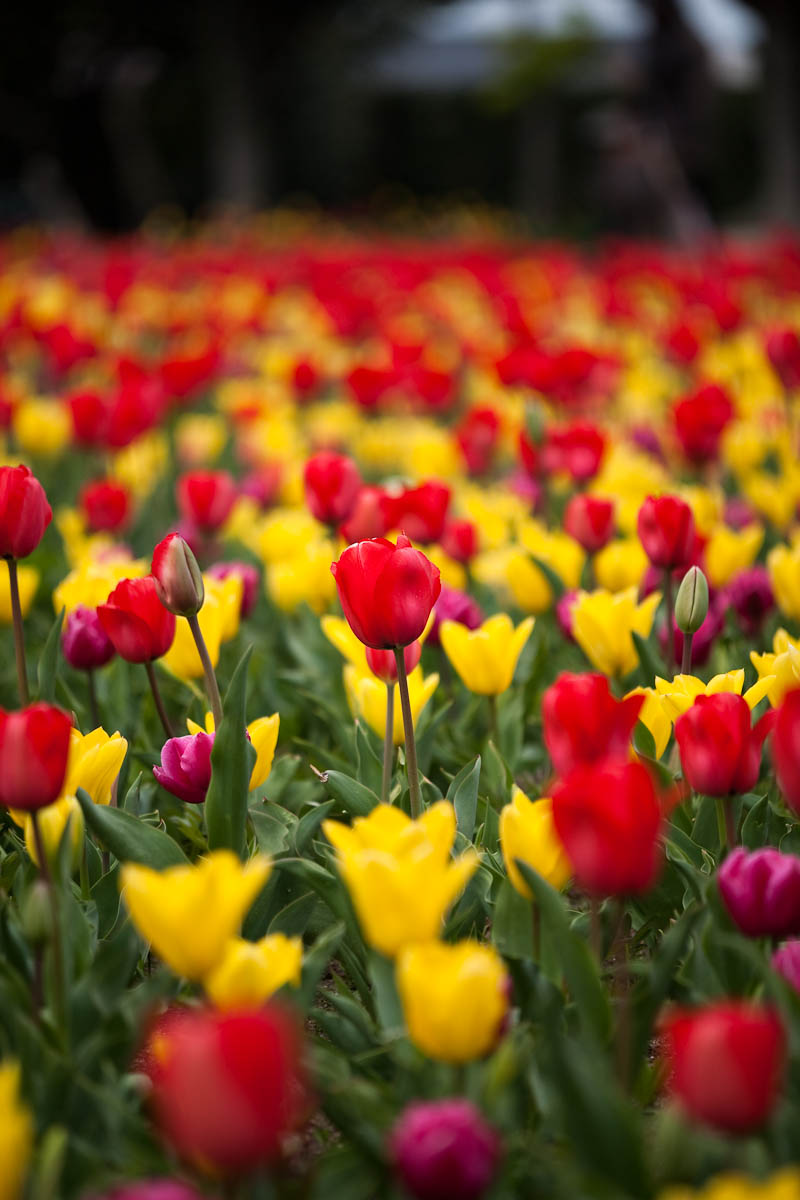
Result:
[94,710]
[19,638]
[388,745]
[670,626]
[59,1007]
[159,703]
[212,688]
[494,728]
[414,794]
[725,824]
[686,660]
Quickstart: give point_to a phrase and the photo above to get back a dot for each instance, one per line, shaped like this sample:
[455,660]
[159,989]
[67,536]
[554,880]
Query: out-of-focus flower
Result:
[783,351]
[24,512]
[584,723]
[420,512]
[84,642]
[454,997]
[106,505]
[761,891]
[653,717]
[680,693]
[459,540]
[42,426]
[27,583]
[454,605]
[620,565]
[189,914]
[250,972]
[720,751]
[205,498]
[179,582]
[527,832]
[263,735]
[303,578]
[779,671]
[781,1185]
[250,578]
[152,1189]
[16,1133]
[590,521]
[332,483]
[53,822]
[200,438]
[700,420]
[603,623]
[786,961]
[786,749]
[749,594]
[528,584]
[783,564]
[386,591]
[185,768]
[444,1150]
[727,1060]
[366,696]
[666,530]
[383,663]
[34,751]
[136,622]
[399,872]
[485,658]
[182,657]
[729,551]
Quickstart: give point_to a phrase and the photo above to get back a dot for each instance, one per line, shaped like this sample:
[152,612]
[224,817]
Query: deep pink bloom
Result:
[152,1189]
[84,642]
[786,961]
[454,605]
[186,766]
[761,891]
[250,577]
[444,1150]
[750,595]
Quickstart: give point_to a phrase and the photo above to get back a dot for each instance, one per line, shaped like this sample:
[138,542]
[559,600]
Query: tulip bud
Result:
[444,1150]
[24,512]
[179,582]
[691,603]
[185,768]
[384,664]
[84,641]
[37,914]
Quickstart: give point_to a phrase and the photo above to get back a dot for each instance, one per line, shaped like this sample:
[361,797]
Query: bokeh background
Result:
[578,117]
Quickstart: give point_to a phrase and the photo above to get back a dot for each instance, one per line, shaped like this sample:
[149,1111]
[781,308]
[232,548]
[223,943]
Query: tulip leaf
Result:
[557,585]
[272,825]
[463,795]
[369,765]
[128,838]
[309,823]
[47,671]
[576,961]
[388,1008]
[512,924]
[232,759]
[294,917]
[354,797]
[649,660]
[315,963]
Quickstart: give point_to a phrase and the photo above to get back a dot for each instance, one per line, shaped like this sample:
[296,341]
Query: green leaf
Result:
[557,585]
[128,838]
[294,917]
[388,1008]
[309,823]
[232,759]
[353,796]
[315,963]
[512,926]
[463,794]
[369,764]
[649,659]
[273,827]
[47,671]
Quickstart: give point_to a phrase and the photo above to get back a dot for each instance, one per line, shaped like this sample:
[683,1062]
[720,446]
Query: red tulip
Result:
[608,818]
[583,722]
[229,1086]
[84,641]
[386,591]
[332,483]
[720,752]
[590,521]
[384,664]
[576,450]
[90,417]
[106,505]
[206,497]
[761,891]
[786,749]
[727,1060]
[136,622]
[373,515]
[783,351]
[477,437]
[666,531]
[459,539]
[34,748]
[700,420]
[178,579]
[24,512]
[421,511]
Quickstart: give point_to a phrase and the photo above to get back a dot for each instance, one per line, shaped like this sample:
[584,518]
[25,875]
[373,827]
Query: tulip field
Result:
[400,727]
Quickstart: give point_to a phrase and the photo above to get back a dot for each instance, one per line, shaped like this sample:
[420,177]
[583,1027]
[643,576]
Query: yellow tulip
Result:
[781,1185]
[557,550]
[680,693]
[485,658]
[95,760]
[190,913]
[91,583]
[775,497]
[250,972]
[653,716]
[42,426]
[16,1134]
[284,530]
[52,823]
[781,669]
[182,658]
[28,580]
[527,832]
[366,695]
[783,564]
[340,635]
[141,464]
[729,551]
[620,565]
[603,623]
[304,578]
[228,595]
[454,998]
[399,873]
[200,438]
[263,738]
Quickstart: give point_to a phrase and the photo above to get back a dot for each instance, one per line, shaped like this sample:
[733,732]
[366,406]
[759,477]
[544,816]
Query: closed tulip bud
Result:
[136,622]
[24,512]
[229,1087]
[384,664]
[786,961]
[590,521]
[205,498]
[37,913]
[84,642]
[152,1189]
[608,818]
[434,979]
[666,530]
[34,750]
[583,722]
[720,752]
[185,769]
[786,749]
[332,483]
[444,1150]
[106,505]
[691,603]
[727,1060]
[761,891]
[386,591]
[179,581]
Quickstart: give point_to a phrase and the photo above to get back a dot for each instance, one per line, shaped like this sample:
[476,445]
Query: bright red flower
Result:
[421,512]
[459,539]
[136,622]
[90,417]
[373,515]
[386,591]
[720,752]
[576,449]
[700,420]
[178,579]
[477,436]
[229,1086]
[609,818]
[34,748]
[106,505]
[727,1059]
[786,749]
[783,351]
[24,512]
[332,483]
[590,521]
[584,723]
[384,664]
[206,497]
[666,530]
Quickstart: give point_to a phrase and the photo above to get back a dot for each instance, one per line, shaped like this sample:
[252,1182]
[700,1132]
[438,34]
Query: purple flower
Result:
[444,1150]
[750,595]
[152,1189]
[738,512]
[186,766]
[564,612]
[761,891]
[786,961]
[250,577]
[84,641]
[454,605]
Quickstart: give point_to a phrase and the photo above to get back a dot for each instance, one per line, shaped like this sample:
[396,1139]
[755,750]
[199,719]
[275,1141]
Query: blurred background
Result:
[579,117]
